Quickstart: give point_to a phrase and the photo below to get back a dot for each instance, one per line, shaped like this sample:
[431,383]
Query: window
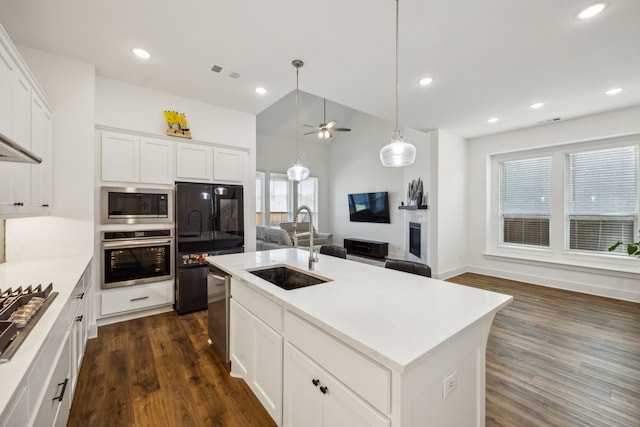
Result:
[567,203]
[277,198]
[260,207]
[308,196]
[280,199]
[525,201]
[601,198]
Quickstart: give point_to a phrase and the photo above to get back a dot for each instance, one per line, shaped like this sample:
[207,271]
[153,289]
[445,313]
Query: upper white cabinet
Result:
[25,117]
[120,157]
[42,139]
[194,162]
[156,161]
[228,164]
[130,158]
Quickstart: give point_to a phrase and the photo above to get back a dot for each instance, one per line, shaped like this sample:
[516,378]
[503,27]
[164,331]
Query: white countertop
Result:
[64,273]
[394,317]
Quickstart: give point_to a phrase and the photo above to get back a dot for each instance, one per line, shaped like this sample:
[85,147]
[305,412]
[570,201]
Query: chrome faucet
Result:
[312,256]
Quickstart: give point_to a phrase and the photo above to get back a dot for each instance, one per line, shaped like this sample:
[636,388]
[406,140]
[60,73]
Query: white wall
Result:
[278,154]
[123,106]
[450,206]
[589,280]
[69,85]
[355,168]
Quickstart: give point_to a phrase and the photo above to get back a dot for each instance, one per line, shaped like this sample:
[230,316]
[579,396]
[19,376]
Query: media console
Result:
[370,248]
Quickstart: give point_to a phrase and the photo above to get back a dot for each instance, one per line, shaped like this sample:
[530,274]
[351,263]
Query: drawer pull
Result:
[45,205]
[315,382]
[139,299]
[64,387]
[324,389]
[18,204]
[79,296]
[79,318]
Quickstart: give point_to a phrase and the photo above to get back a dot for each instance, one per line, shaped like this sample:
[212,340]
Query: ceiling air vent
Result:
[555,119]
[218,69]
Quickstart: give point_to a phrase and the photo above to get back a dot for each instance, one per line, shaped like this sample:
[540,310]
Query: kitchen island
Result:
[370,346]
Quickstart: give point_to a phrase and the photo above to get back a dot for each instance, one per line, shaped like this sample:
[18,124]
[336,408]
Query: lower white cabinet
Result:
[55,406]
[18,413]
[256,356]
[313,397]
[136,297]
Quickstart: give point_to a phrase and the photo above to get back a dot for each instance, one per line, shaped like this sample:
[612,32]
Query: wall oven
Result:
[130,205]
[136,257]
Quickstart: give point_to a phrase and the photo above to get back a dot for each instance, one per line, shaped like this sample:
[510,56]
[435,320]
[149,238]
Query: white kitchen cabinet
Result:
[42,141]
[55,405]
[256,347]
[314,397]
[194,162]
[79,302]
[120,157]
[156,161]
[138,297]
[18,413]
[133,159]
[228,165]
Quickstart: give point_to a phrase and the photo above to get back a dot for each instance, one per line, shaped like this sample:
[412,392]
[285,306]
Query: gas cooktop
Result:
[20,310]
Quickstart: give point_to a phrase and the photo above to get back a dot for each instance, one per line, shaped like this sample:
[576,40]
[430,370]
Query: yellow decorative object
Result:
[177,123]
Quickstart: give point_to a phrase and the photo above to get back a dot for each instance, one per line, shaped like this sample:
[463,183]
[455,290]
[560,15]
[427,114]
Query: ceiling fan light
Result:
[324,134]
[398,153]
[297,172]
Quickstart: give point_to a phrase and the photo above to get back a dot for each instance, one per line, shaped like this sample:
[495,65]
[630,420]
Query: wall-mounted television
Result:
[369,207]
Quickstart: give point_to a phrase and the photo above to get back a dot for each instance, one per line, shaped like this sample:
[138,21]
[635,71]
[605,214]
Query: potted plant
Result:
[633,249]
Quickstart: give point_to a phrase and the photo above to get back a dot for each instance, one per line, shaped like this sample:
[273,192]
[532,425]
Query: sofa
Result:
[282,237]
[319,239]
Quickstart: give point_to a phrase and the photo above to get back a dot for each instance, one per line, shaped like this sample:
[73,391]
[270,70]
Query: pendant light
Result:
[297,172]
[397,152]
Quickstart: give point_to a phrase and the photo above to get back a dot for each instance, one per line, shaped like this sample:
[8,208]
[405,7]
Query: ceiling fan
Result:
[325,130]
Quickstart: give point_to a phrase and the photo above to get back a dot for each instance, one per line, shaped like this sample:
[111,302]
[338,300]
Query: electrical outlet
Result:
[449,384]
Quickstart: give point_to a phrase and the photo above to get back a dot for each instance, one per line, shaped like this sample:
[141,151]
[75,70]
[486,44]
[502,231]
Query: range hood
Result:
[10,151]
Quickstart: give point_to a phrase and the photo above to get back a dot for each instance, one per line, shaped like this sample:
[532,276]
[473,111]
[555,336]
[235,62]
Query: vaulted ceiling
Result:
[490,58]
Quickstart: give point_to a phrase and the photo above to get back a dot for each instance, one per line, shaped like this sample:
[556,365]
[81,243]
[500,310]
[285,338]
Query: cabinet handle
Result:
[64,387]
[45,205]
[315,382]
[79,318]
[18,204]
[324,389]
[80,296]
[138,299]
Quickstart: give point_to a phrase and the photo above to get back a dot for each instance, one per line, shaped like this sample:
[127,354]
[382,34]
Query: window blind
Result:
[525,200]
[601,197]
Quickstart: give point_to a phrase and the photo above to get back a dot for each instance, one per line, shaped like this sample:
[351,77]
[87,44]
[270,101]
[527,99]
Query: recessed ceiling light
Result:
[537,105]
[261,91]
[492,120]
[614,91]
[141,53]
[425,81]
[592,10]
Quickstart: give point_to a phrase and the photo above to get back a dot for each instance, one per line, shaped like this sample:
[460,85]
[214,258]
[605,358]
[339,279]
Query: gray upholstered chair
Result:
[333,250]
[408,267]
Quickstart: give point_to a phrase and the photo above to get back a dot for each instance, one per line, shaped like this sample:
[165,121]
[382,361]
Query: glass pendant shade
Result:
[397,153]
[297,172]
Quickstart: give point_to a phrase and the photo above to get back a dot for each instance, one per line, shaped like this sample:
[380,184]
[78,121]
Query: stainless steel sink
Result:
[288,278]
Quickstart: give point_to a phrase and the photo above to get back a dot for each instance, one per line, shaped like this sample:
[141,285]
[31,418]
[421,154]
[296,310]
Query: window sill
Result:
[612,265]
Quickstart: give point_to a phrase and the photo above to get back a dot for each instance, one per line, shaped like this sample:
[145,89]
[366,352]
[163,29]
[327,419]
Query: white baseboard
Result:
[585,288]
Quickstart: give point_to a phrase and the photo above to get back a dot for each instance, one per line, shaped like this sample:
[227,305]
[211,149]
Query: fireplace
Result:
[414,238]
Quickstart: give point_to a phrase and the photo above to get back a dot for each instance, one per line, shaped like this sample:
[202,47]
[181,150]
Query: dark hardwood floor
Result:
[559,358]
[160,371]
[554,358]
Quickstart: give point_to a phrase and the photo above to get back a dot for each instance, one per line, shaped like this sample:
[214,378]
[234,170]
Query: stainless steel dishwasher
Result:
[218,294]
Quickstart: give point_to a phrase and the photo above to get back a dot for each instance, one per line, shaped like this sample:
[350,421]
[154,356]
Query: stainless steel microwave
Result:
[130,205]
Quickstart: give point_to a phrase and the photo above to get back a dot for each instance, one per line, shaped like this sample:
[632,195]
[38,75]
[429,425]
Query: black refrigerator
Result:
[209,221]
